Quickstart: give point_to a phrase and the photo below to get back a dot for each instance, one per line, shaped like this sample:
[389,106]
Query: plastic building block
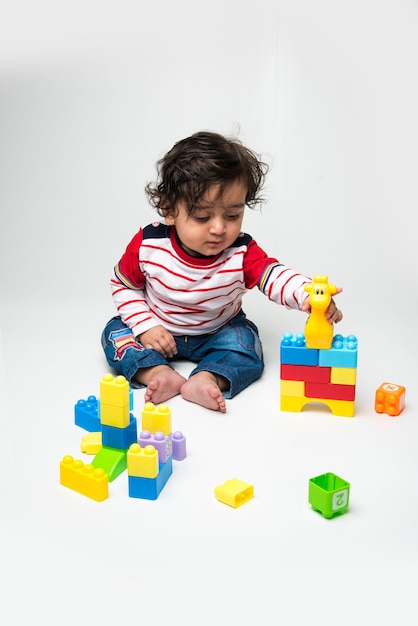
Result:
[293,388]
[343,352]
[115,401]
[179,446]
[116,416]
[156,418]
[307,373]
[329,391]
[343,408]
[91,443]
[120,438]
[329,494]
[150,488]
[114,391]
[343,375]
[142,462]
[162,443]
[85,479]
[293,350]
[111,460]
[318,330]
[86,414]
[390,399]
[234,492]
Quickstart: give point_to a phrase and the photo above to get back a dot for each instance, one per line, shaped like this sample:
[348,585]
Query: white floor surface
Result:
[187,557]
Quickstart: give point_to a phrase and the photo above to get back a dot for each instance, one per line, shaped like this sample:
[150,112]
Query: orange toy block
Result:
[390,399]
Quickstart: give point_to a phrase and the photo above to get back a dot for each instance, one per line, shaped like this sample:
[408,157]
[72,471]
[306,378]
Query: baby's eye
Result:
[201,219]
[233,216]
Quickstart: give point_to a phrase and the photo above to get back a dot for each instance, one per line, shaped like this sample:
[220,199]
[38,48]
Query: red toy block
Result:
[390,399]
[307,373]
[329,391]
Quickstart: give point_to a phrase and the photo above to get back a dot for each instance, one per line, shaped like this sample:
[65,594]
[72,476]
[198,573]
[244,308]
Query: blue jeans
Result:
[234,352]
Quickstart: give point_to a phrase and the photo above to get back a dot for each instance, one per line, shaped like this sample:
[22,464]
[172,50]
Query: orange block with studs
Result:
[390,399]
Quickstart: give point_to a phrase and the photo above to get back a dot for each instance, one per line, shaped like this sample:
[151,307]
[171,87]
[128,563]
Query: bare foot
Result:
[162,383]
[203,389]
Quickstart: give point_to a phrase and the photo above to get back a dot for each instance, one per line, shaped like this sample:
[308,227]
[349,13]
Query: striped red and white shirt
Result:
[157,283]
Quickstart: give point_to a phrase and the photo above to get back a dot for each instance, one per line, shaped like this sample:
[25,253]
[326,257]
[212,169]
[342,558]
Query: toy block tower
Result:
[113,438]
[317,366]
[146,476]
[318,375]
[118,425]
[151,466]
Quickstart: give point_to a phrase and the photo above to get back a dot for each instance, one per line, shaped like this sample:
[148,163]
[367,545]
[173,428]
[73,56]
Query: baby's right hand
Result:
[159,339]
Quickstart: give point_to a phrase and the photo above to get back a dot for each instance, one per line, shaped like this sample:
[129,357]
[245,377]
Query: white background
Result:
[91,95]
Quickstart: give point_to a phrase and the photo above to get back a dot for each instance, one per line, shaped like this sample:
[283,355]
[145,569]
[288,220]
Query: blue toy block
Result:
[343,352]
[120,438]
[86,414]
[293,350]
[150,488]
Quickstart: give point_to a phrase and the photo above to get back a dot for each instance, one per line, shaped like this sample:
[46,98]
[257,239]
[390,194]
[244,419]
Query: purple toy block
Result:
[162,443]
[179,446]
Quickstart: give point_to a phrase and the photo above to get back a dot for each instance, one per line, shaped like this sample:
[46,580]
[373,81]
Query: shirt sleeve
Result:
[127,287]
[277,281]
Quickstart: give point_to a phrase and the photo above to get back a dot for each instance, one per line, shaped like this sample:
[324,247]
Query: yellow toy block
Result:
[116,416]
[85,479]
[292,388]
[343,375]
[156,418]
[91,443]
[142,462]
[318,330]
[234,492]
[114,391]
[343,408]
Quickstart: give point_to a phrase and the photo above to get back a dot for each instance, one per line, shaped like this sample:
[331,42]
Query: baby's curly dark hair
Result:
[196,163]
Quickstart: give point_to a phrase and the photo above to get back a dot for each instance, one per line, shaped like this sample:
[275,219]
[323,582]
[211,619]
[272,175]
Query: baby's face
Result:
[215,224]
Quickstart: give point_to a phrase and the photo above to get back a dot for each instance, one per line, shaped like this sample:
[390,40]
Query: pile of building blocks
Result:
[112,437]
[320,375]
[317,366]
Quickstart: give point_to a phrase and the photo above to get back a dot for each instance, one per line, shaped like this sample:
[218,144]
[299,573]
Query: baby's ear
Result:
[169,217]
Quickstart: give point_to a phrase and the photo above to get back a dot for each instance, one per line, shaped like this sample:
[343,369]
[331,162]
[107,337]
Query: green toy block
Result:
[329,494]
[112,461]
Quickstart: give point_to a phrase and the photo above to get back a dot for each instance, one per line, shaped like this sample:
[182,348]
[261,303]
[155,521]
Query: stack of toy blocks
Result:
[118,425]
[320,375]
[150,460]
[112,437]
[327,376]
[315,366]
